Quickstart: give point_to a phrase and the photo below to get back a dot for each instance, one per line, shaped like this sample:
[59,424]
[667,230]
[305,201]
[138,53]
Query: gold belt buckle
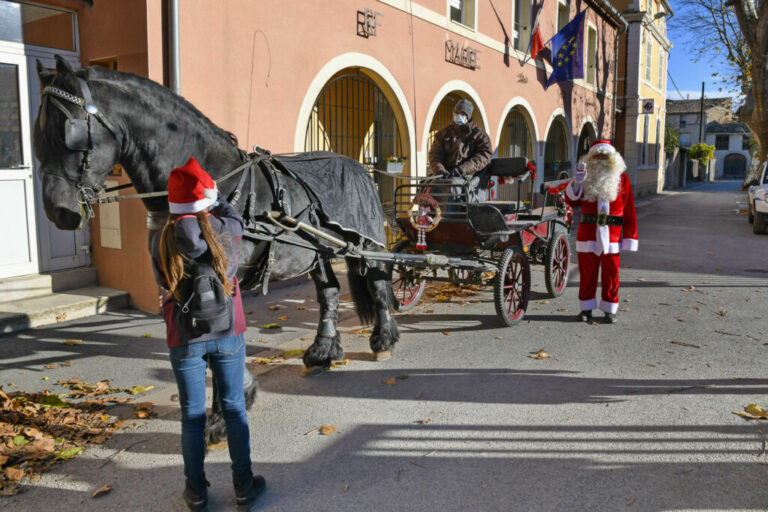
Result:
[602,218]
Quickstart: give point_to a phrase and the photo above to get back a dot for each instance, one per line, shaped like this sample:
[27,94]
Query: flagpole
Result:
[533,27]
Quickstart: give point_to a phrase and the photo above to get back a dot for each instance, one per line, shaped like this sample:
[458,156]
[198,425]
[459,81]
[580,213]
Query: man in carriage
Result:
[461,151]
[607,226]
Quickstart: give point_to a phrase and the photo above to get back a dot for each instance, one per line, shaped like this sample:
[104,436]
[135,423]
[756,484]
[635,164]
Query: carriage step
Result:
[54,308]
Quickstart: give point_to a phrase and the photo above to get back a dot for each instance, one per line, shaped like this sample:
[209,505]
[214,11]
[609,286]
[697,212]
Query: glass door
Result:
[18,250]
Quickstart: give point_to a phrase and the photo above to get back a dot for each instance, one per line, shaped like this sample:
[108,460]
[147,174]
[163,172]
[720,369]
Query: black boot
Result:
[196,496]
[585,316]
[249,491]
[610,318]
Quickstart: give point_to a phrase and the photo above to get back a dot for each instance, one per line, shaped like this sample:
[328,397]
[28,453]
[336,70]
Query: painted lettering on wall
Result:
[367,21]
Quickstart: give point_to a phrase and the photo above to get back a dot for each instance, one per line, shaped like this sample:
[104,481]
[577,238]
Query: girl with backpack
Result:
[195,259]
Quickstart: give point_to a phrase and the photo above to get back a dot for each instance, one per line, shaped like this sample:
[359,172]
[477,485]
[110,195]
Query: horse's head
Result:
[76,144]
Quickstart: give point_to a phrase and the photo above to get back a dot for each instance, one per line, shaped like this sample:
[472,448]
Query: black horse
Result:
[93,118]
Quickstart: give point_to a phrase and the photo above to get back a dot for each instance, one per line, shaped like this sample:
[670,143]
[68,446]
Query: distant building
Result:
[732,143]
[642,85]
[685,115]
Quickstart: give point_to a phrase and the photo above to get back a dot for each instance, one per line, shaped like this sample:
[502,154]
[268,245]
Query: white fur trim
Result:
[572,195]
[595,247]
[603,233]
[211,193]
[197,206]
[609,307]
[629,244]
[588,305]
[602,148]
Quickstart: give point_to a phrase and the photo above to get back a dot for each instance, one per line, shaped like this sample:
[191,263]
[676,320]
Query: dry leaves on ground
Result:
[271,326]
[71,342]
[144,410]
[447,291]
[283,318]
[324,430]
[539,354]
[292,353]
[274,308]
[301,308]
[40,429]
[753,412]
[390,381]
[103,490]
[337,364]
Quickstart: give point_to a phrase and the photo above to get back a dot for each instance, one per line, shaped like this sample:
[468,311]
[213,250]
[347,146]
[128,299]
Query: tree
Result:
[738,31]
[671,139]
[702,152]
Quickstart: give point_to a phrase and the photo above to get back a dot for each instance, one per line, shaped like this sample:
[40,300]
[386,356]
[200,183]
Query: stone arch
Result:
[558,153]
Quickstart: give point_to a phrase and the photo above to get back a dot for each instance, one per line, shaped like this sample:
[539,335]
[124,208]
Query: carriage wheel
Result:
[557,264]
[512,286]
[407,285]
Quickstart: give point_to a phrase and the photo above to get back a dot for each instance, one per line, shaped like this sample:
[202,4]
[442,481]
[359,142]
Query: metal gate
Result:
[353,117]
[515,140]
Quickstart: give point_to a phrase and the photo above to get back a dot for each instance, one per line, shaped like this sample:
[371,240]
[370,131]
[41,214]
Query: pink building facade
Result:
[369,80]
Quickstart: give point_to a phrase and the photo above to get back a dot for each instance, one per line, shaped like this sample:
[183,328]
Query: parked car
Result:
[757,198]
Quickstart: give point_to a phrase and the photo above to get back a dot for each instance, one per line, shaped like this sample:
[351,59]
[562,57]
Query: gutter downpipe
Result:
[173,32]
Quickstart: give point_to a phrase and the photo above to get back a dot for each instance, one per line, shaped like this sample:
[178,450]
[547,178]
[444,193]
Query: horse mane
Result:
[129,82]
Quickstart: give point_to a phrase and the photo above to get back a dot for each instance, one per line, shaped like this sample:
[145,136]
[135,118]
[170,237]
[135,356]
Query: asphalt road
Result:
[632,416]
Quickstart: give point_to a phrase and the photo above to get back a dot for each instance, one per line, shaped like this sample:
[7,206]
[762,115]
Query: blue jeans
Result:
[227,359]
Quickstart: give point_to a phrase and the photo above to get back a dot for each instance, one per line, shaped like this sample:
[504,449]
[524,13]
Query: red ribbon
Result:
[559,188]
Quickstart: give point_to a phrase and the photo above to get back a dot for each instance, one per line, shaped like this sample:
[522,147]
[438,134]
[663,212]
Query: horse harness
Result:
[78,136]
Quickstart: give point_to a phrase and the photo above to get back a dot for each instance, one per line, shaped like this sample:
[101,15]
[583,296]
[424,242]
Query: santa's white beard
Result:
[603,179]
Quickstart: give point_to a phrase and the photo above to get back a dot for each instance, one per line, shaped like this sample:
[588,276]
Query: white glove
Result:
[581,173]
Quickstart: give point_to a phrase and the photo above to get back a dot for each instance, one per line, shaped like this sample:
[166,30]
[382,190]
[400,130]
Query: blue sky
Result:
[688,75]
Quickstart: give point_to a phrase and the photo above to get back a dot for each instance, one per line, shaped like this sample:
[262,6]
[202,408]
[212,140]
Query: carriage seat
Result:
[514,167]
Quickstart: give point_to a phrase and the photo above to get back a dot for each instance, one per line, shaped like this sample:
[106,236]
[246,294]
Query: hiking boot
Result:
[196,496]
[610,318]
[249,491]
[584,316]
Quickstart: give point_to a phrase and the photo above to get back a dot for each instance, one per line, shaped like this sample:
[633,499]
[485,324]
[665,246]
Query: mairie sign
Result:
[465,56]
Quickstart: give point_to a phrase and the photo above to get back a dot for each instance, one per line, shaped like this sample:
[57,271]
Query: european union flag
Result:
[568,51]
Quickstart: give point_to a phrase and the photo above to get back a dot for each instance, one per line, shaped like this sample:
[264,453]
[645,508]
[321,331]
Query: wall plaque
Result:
[464,56]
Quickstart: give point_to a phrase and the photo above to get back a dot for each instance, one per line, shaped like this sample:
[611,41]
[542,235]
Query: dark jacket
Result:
[228,225]
[466,147]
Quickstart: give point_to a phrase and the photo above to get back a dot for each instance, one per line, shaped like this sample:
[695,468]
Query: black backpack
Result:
[206,308]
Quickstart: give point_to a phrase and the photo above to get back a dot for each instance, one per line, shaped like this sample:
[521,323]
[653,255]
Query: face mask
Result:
[460,119]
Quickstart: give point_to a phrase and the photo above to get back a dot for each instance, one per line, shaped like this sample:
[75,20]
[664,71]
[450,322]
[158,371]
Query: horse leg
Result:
[215,428]
[385,332]
[327,344]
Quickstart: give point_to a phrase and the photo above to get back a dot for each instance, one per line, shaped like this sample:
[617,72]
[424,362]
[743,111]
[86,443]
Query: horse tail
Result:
[365,304]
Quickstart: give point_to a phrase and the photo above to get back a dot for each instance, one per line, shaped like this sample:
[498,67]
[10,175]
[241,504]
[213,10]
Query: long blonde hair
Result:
[173,261]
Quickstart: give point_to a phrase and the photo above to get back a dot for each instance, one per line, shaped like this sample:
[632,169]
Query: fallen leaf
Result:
[135,390]
[446,333]
[103,490]
[429,311]
[626,310]
[46,378]
[389,382]
[261,360]
[722,313]
[641,279]
[689,289]
[61,317]
[66,363]
[274,308]
[540,354]
[71,342]
[301,308]
[20,441]
[425,421]
[263,341]
[218,446]
[51,366]
[563,310]
[68,454]
[327,430]
[543,302]
[14,474]
[144,410]
[52,401]
[145,335]
[401,377]
[631,500]
[283,318]
[292,353]
[271,326]
[681,319]
[336,364]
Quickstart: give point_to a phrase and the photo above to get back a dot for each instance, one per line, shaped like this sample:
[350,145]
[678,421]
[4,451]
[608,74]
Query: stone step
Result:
[37,285]
[58,307]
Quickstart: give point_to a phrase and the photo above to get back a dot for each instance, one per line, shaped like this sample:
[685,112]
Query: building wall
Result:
[735,145]
[256,68]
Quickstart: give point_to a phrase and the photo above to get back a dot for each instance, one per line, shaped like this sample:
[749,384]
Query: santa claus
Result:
[607,226]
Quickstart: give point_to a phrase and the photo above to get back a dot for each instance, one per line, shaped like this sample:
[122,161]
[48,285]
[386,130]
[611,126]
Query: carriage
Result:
[482,243]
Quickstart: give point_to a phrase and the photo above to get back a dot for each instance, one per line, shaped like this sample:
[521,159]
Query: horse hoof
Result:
[382,356]
[314,371]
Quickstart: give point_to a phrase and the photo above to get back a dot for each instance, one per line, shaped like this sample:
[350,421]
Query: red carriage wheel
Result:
[512,286]
[557,264]
[407,285]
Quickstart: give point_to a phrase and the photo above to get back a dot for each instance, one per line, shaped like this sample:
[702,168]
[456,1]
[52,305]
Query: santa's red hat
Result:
[601,146]
[190,189]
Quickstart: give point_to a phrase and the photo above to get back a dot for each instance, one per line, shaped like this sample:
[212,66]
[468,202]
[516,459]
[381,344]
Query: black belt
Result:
[601,219]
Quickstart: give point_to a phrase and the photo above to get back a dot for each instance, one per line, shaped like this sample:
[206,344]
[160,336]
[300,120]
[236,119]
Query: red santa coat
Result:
[607,239]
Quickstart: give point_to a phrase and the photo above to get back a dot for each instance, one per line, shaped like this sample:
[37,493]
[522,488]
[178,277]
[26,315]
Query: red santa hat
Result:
[190,189]
[601,146]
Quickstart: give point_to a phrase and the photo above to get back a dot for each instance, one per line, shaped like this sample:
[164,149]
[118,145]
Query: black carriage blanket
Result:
[344,190]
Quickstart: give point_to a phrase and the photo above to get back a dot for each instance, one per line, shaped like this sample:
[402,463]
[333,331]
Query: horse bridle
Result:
[78,136]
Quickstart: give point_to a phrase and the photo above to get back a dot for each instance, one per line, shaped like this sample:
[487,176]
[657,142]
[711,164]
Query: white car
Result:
[757,197]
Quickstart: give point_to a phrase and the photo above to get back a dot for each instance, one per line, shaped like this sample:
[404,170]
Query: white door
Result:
[59,249]
[18,249]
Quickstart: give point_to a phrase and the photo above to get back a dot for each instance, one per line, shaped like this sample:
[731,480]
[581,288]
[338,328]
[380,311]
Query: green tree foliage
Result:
[671,139]
[702,152]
